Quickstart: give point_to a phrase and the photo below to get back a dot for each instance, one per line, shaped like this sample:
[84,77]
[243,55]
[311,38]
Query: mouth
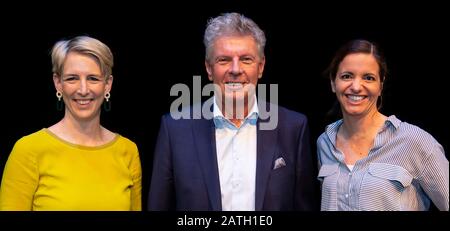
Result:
[235,86]
[355,98]
[83,102]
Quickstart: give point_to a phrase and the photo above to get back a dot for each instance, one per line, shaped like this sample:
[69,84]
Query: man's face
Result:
[235,66]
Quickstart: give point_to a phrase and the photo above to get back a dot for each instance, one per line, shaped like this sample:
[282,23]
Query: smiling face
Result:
[83,86]
[357,84]
[235,67]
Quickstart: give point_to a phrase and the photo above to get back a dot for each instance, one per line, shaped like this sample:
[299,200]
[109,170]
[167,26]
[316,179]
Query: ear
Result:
[261,67]
[109,82]
[57,81]
[208,70]
[333,86]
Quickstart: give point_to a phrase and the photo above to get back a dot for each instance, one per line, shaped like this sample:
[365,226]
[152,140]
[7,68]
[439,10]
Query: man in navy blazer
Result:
[229,159]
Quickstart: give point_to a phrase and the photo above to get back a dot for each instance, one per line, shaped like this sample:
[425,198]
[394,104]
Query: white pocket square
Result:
[279,163]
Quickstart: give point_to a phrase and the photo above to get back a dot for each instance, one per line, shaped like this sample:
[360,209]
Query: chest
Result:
[354,149]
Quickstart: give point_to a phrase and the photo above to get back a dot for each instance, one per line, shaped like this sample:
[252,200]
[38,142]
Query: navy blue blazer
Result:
[185,173]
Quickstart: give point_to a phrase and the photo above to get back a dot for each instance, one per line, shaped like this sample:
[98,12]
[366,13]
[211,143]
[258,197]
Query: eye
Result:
[93,78]
[247,60]
[346,76]
[70,78]
[369,78]
[223,60]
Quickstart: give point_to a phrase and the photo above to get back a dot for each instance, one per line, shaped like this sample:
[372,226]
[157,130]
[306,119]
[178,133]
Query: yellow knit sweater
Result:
[44,172]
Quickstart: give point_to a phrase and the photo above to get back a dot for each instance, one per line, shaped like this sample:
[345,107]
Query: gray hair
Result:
[232,24]
[83,45]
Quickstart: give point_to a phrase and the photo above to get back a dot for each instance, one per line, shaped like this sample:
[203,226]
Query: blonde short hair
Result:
[83,45]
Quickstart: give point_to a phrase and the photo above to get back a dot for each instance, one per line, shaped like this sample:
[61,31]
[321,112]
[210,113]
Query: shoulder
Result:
[171,123]
[417,141]
[273,116]
[325,143]
[291,115]
[322,139]
[126,149]
[33,140]
[286,116]
[415,135]
[186,116]
[31,145]
[124,141]
[327,140]
[330,130]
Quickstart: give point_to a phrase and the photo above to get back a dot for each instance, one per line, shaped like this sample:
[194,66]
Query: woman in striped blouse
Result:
[369,161]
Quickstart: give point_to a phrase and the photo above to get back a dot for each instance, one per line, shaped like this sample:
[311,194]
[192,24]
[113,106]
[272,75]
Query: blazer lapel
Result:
[265,151]
[204,136]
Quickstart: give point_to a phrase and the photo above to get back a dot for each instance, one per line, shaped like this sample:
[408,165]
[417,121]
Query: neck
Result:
[87,132]
[236,111]
[355,126]
[235,117]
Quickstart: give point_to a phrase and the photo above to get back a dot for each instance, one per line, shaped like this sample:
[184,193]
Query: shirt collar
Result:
[332,129]
[393,121]
[220,120]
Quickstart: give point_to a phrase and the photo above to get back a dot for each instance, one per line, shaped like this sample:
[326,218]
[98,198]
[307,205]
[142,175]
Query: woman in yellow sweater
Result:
[75,164]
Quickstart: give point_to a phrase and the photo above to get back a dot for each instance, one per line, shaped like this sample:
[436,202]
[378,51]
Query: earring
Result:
[107,96]
[107,103]
[59,102]
[380,102]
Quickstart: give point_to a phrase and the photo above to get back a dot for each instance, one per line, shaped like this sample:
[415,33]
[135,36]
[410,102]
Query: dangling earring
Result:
[380,102]
[107,103]
[380,97]
[59,102]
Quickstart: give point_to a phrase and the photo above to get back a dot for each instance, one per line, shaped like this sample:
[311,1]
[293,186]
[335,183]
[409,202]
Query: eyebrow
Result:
[72,74]
[365,73]
[222,56]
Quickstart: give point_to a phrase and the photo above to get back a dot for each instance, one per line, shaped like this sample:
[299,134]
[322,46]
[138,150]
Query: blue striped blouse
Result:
[406,169]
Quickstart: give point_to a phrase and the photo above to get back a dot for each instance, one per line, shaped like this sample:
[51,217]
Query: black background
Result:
[157,45]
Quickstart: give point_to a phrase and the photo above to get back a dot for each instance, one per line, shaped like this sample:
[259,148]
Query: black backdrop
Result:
[157,46]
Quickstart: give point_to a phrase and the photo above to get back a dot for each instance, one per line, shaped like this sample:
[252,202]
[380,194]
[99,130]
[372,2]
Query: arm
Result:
[434,178]
[136,173]
[306,193]
[319,161]
[162,191]
[20,179]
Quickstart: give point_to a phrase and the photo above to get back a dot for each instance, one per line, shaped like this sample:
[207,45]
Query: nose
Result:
[83,88]
[235,67]
[356,85]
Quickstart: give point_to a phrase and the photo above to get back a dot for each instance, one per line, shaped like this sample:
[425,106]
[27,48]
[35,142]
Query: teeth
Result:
[355,97]
[83,102]
[234,84]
